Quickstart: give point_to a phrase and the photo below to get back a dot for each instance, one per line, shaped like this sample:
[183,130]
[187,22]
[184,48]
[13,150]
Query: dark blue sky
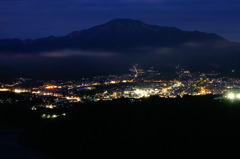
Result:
[40,18]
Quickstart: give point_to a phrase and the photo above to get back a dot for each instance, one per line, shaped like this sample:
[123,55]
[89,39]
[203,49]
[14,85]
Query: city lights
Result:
[4,90]
[233,96]
[238,96]
[56,94]
[20,90]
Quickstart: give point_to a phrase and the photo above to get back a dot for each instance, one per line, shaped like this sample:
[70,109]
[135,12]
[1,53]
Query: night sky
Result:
[41,18]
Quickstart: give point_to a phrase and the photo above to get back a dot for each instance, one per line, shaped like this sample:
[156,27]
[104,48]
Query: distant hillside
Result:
[114,46]
[117,34]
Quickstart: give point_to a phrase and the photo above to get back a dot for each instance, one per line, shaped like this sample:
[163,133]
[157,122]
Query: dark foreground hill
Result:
[194,127]
[112,47]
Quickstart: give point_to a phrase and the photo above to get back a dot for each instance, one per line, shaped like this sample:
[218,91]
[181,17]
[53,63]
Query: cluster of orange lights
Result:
[123,81]
[50,87]
[4,89]
[204,92]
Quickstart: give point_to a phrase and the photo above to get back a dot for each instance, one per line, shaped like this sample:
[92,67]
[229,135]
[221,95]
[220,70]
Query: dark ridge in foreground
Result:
[195,127]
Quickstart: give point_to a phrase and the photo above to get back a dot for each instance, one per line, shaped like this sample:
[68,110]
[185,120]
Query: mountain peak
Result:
[125,21]
[124,25]
[115,35]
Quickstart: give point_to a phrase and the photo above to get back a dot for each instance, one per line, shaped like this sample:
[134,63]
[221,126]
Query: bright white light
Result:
[54,116]
[141,93]
[50,106]
[34,108]
[18,91]
[4,90]
[231,96]
[238,96]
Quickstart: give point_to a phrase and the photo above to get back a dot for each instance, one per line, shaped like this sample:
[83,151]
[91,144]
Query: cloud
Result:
[70,53]
[57,54]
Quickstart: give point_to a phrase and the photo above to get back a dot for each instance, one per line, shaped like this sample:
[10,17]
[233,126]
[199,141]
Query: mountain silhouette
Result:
[113,47]
[115,35]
